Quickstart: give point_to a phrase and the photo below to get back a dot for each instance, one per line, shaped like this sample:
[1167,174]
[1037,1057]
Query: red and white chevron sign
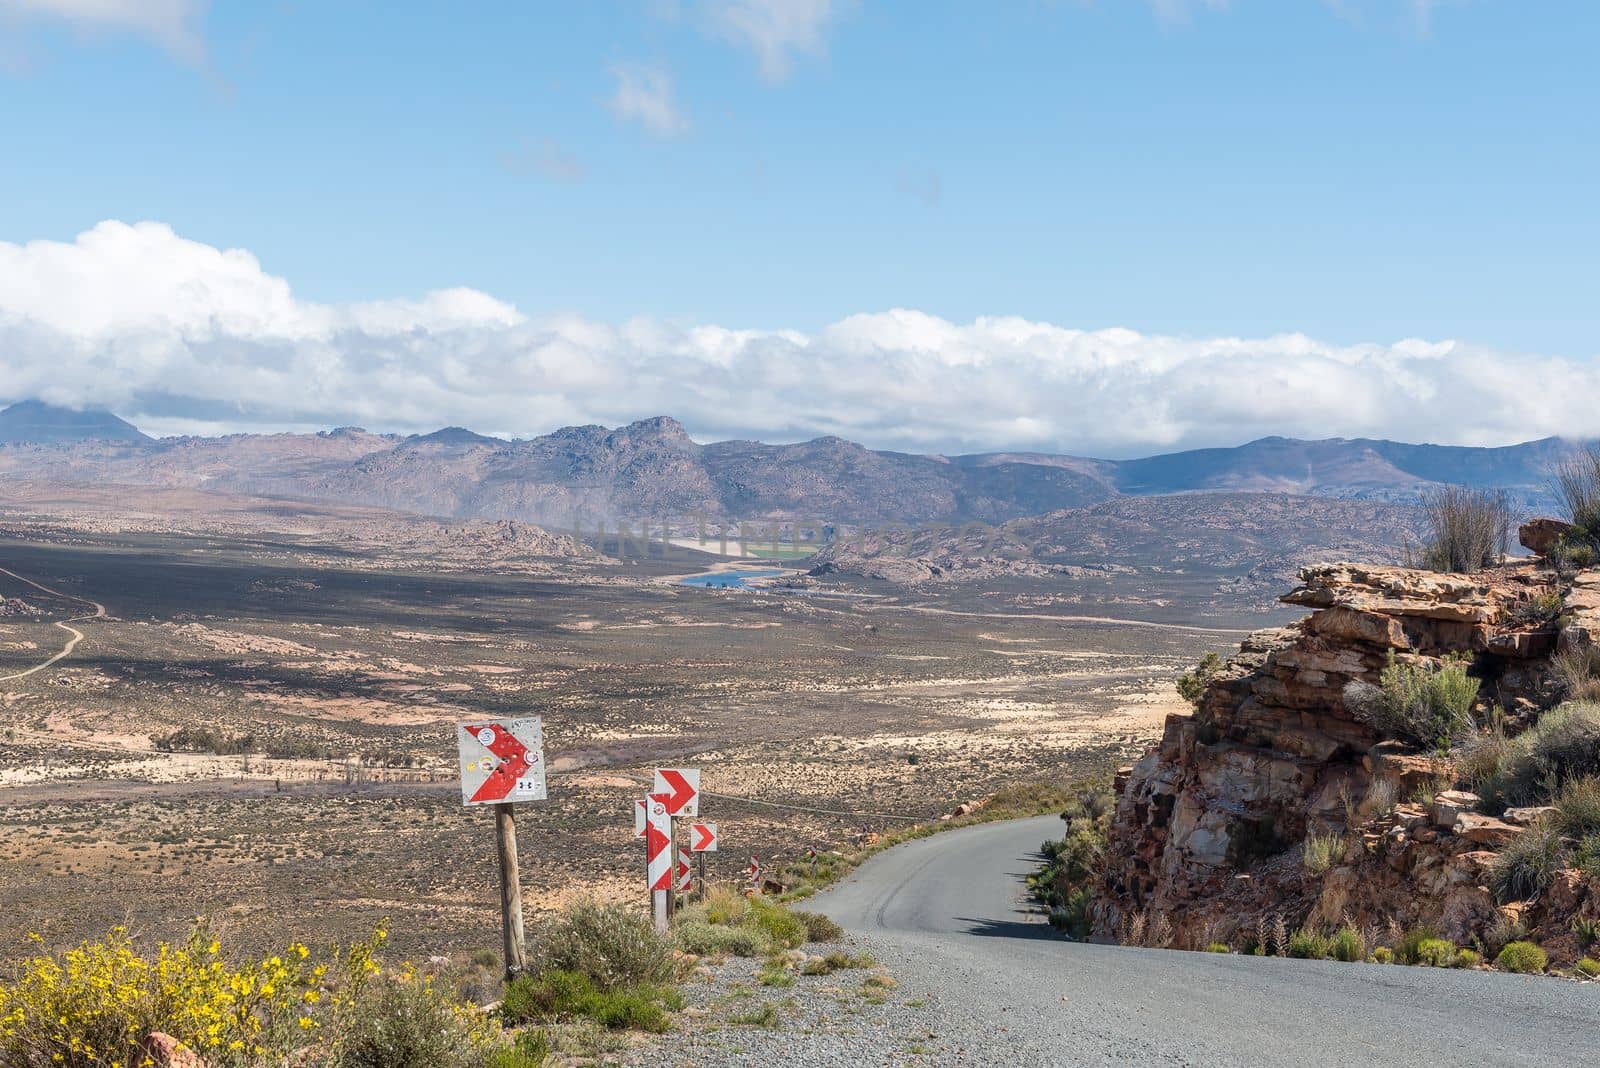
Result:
[685,879]
[639,818]
[703,837]
[658,844]
[501,760]
[681,789]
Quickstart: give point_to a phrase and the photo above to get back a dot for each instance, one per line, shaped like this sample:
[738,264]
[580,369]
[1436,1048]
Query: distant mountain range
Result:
[652,469]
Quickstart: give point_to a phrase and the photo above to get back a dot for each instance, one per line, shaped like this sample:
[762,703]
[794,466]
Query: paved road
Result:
[1010,992]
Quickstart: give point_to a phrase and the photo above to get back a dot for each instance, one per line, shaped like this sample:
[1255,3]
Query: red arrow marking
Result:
[513,761]
[682,792]
[705,839]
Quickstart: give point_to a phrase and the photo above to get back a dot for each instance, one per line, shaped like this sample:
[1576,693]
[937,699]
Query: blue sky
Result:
[1361,171]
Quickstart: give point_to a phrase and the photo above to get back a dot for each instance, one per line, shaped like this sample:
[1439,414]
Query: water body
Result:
[729,580]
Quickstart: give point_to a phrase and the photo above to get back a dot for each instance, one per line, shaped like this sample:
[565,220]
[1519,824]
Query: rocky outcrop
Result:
[1541,535]
[1210,828]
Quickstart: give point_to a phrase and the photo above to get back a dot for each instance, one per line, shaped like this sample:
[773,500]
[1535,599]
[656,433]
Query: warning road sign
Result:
[703,837]
[640,818]
[501,760]
[658,842]
[685,880]
[681,789]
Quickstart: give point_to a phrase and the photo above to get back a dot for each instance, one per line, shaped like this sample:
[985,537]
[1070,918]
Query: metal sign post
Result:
[502,762]
[702,840]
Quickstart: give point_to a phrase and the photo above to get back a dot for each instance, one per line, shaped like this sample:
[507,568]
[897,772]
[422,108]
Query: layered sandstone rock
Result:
[1208,835]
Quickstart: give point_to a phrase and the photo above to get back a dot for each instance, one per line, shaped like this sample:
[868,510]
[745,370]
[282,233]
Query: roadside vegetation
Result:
[1063,886]
[602,972]
[1467,529]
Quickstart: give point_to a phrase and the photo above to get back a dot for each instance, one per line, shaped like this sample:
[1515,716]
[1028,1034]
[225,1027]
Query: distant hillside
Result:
[1251,541]
[38,423]
[653,470]
[1360,468]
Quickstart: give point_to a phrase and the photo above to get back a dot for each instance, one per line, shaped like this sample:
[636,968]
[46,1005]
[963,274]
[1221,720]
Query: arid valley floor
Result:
[346,658]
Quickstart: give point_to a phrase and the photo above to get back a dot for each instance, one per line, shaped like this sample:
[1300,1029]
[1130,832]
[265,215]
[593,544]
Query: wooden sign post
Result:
[512,940]
[502,762]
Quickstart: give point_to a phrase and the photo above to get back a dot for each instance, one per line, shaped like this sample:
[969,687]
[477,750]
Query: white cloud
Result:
[172,24]
[774,30]
[644,94]
[172,332]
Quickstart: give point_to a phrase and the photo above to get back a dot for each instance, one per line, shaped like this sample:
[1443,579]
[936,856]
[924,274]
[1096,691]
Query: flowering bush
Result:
[95,1006]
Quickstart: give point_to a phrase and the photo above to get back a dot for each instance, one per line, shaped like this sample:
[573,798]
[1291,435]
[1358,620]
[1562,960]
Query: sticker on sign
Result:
[681,789]
[501,760]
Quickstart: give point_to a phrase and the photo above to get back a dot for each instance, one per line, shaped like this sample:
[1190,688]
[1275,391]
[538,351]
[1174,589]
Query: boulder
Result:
[1528,815]
[1485,830]
[1449,806]
[1540,535]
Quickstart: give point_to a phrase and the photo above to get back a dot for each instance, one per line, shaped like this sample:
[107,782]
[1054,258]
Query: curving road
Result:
[76,635]
[948,912]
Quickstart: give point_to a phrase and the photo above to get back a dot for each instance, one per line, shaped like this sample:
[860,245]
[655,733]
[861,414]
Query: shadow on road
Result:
[1007,928]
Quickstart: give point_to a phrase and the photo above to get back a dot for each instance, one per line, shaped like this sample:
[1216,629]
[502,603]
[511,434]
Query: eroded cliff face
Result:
[1208,835]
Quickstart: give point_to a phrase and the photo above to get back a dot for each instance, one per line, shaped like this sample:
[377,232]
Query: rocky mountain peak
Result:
[35,422]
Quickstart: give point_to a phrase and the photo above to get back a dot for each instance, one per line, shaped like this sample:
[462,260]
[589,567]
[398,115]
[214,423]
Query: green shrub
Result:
[765,1017]
[1348,945]
[1467,958]
[1306,944]
[1562,746]
[1466,528]
[775,974]
[635,1009]
[554,993]
[1409,951]
[1586,856]
[530,1049]
[1529,862]
[1569,555]
[1418,703]
[1218,947]
[1321,850]
[1383,955]
[1578,808]
[725,905]
[783,928]
[1578,672]
[401,1023]
[1590,967]
[711,940]
[1585,932]
[560,993]
[1436,952]
[1522,958]
[612,945]
[1192,685]
[819,928]
[1577,483]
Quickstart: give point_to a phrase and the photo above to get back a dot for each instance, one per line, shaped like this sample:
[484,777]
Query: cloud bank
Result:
[177,335]
[172,24]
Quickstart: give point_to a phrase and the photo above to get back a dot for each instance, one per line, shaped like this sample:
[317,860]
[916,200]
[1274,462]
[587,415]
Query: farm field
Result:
[260,728]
